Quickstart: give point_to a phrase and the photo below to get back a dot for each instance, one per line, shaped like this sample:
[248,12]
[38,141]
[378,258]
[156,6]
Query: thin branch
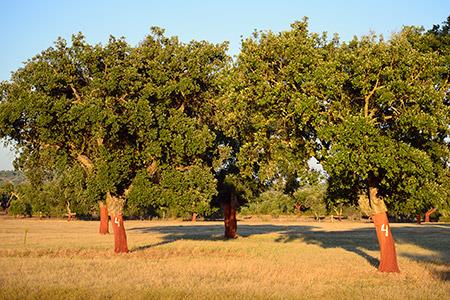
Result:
[152,168]
[183,168]
[445,86]
[99,141]
[181,108]
[367,98]
[75,93]
[122,99]
[85,162]
[414,77]
[128,190]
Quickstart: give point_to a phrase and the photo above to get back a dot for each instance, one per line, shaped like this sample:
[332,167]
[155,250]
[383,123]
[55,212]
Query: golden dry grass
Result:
[177,260]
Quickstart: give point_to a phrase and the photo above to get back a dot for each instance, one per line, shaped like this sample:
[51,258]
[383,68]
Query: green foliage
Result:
[173,127]
[388,123]
[19,205]
[6,190]
[20,208]
[50,198]
[273,203]
[114,110]
[312,198]
[187,192]
[180,193]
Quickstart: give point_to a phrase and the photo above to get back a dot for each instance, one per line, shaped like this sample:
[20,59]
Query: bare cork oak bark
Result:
[104,224]
[428,213]
[388,255]
[230,220]
[115,208]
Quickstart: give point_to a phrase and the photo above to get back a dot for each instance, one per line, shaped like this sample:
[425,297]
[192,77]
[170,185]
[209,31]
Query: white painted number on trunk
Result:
[385,228]
[118,224]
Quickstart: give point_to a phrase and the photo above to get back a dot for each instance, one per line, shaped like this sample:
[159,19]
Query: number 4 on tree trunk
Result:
[385,229]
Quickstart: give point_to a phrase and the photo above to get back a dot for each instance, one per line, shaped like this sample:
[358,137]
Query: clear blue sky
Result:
[27,27]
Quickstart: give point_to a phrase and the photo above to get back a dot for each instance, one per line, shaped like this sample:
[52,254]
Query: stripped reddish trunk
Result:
[418,218]
[229,214]
[104,226]
[388,255]
[428,213]
[298,207]
[194,217]
[120,236]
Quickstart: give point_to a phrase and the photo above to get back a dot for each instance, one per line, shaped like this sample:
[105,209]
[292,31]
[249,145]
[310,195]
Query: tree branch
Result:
[151,169]
[14,194]
[181,108]
[122,98]
[183,168]
[85,162]
[75,93]
[445,86]
[128,190]
[367,98]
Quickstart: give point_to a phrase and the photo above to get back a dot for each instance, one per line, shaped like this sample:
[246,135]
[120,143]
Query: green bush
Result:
[312,198]
[444,215]
[177,194]
[270,203]
[20,208]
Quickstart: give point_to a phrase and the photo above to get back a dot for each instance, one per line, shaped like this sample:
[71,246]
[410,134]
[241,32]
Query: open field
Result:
[172,260]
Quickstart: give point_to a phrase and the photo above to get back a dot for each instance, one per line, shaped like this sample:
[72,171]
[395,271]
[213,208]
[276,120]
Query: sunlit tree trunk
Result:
[229,213]
[428,213]
[104,226]
[115,208]
[418,218]
[120,236]
[388,255]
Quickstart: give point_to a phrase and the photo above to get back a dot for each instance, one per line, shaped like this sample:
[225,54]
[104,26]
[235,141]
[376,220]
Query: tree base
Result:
[120,236]
[428,213]
[229,213]
[418,219]
[388,255]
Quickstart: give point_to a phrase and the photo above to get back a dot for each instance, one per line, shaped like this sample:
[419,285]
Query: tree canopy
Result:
[389,122]
[125,114]
[168,127]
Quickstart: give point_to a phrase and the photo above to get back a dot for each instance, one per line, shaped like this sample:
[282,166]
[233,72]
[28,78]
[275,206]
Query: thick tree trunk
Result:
[115,207]
[388,255]
[418,218]
[104,224]
[229,214]
[120,236]
[428,213]
[194,217]
[298,208]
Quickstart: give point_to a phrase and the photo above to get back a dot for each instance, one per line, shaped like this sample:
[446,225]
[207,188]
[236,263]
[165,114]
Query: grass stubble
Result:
[56,259]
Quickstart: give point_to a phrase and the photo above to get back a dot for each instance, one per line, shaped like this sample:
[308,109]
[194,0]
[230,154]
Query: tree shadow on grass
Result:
[432,237]
[145,247]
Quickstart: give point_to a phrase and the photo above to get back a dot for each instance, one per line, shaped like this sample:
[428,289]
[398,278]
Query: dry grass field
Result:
[56,259]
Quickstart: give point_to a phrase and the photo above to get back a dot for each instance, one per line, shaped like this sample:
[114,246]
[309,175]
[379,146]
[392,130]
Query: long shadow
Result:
[433,237]
[145,247]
